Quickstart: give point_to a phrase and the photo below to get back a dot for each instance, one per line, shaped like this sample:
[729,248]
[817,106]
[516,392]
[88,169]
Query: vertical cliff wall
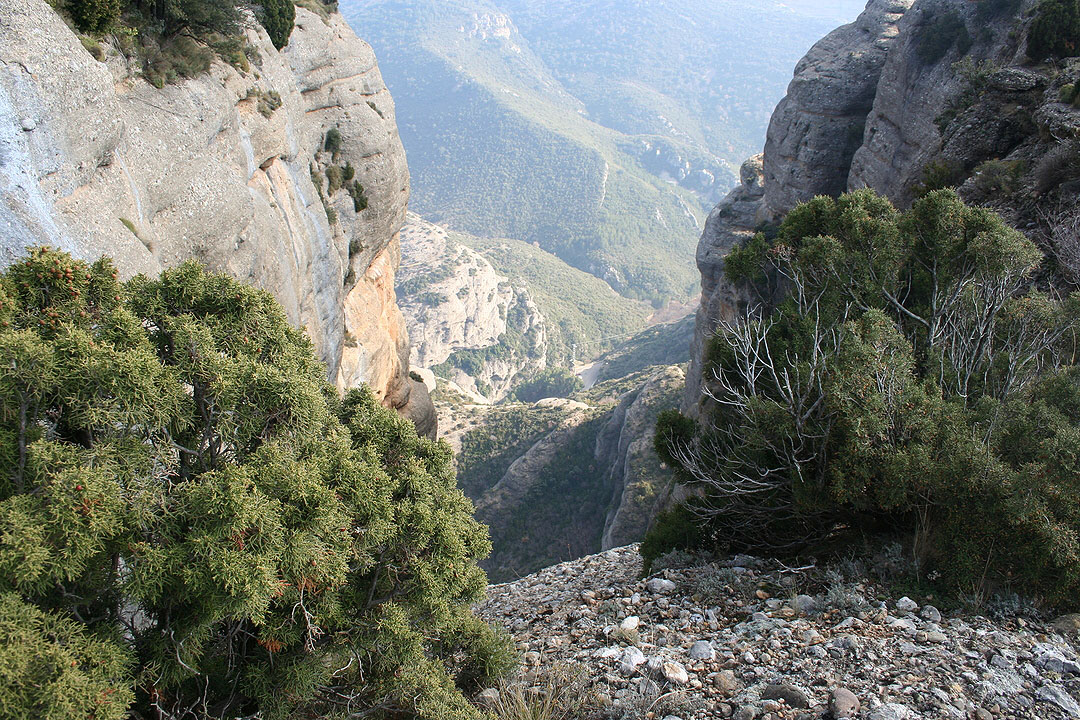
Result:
[230,168]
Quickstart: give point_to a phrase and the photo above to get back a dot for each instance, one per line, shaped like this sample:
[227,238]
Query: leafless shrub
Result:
[1059,165]
[1062,223]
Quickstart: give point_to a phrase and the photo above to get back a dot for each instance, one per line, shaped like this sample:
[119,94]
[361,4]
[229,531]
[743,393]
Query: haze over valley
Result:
[602,131]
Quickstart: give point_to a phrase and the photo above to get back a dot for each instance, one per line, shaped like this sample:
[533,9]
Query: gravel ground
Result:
[734,639]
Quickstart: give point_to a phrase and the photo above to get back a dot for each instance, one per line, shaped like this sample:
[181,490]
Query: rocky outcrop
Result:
[565,477]
[454,300]
[733,221]
[642,483]
[913,95]
[904,130]
[451,296]
[228,168]
[813,135]
[524,474]
[819,125]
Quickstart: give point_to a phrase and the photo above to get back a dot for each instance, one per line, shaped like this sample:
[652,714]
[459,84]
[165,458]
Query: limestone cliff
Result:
[641,482]
[230,168]
[454,301]
[916,94]
[819,125]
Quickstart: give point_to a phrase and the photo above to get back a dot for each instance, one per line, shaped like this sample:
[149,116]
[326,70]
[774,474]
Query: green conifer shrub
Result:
[1055,32]
[278,17]
[196,520]
[896,372]
[95,16]
[52,667]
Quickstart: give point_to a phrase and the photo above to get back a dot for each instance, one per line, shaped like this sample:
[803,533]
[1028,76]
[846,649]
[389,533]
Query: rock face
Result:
[914,94]
[902,130]
[565,477]
[454,300]
[641,484]
[732,222]
[817,128]
[228,168]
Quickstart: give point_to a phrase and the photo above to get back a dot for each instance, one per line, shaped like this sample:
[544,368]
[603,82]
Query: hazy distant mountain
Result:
[602,130]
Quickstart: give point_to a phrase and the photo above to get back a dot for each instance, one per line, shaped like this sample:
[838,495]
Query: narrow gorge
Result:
[558,364]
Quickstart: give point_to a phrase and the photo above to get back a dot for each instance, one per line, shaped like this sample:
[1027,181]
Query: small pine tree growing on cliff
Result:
[95,16]
[278,17]
[200,16]
[1055,32]
[192,522]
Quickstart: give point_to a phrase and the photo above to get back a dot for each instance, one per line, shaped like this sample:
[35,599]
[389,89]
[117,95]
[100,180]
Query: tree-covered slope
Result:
[697,72]
[506,140]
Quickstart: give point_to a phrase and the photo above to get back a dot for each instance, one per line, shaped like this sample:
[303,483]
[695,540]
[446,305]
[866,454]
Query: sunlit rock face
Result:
[230,168]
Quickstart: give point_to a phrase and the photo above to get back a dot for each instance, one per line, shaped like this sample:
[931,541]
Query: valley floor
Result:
[738,639]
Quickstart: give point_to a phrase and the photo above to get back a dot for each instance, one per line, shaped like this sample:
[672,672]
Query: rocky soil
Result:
[755,640]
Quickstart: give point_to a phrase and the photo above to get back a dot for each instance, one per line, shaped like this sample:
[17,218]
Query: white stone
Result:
[702,650]
[906,605]
[675,673]
[630,660]
[891,711]
[489,698]
[660,586]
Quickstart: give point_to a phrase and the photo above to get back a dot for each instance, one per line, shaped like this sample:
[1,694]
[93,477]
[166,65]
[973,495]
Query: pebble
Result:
[660,586]
[890,711]
[489,698]
[702,650]
[929,613]
[630,660]
[631,623]
[793,696]
[806,604]
[674,673]
[28,124]
[843,704]
[726,682]
[906,605]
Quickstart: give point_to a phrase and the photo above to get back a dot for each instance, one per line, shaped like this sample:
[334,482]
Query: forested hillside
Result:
[541,121]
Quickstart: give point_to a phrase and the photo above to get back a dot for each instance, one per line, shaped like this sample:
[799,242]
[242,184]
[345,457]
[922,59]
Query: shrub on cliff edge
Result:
[905,378]
[191,517]
[278,17]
